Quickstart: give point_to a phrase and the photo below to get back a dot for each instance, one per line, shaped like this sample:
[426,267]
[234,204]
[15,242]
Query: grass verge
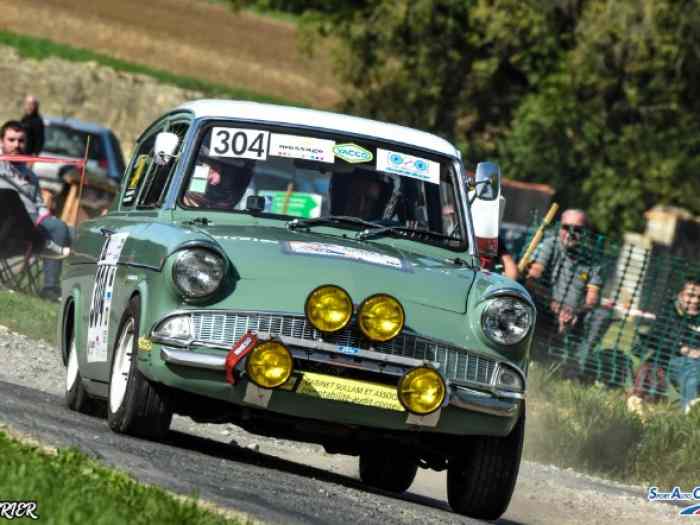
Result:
[41,48]
[589,428]
[68,487]
[28,315]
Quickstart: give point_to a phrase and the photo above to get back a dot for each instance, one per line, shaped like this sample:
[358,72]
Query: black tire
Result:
[388,470]
[481,482]
[76,397]
[144,409]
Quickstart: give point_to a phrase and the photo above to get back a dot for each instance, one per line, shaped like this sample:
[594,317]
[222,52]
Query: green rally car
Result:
[310,276]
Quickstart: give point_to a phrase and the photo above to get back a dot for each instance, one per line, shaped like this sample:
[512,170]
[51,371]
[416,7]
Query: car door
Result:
[104,244]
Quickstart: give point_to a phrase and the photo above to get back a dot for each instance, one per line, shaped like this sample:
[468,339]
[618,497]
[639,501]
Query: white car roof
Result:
[320,119]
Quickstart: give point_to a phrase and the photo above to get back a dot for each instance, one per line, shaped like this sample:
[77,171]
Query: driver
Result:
[218,183]
[363,194]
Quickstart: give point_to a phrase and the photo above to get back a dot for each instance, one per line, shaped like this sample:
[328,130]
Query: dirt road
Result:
[281,481]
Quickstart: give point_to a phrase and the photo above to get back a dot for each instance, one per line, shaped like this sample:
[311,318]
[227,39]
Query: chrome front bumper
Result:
[503,404]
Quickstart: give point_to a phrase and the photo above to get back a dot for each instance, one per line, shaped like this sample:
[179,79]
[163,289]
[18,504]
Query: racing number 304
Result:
[239,143]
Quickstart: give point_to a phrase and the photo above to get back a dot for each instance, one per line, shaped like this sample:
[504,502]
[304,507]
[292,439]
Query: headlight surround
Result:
[328,308]
[507,320]
[509,379]
[381,317]
[269,364]
[422,390]
[198,272]
[178,327]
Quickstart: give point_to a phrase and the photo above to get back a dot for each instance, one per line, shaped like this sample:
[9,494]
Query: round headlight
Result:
[269,364]
[328,308]
[381,317]
[198,272]
[507,320]
[422,390]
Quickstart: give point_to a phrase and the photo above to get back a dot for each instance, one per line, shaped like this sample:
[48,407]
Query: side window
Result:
[142,161]
[159,175]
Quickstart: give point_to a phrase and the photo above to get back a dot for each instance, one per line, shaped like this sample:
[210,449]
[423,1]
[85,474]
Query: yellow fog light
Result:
[422,390]
[381,317]
[328,308]
[269,364]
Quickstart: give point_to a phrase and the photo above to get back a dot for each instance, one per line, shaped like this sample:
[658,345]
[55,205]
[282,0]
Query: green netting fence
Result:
[638,334]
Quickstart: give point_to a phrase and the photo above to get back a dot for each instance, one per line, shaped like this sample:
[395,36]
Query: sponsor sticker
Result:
[102,293]
[333,388]
[297,204]
[353,153]
[408,166]
[298,147]
[342,252]
[199,180]
[239,143]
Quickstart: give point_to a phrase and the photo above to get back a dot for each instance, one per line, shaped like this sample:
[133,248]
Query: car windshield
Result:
[70,142]
[310,174]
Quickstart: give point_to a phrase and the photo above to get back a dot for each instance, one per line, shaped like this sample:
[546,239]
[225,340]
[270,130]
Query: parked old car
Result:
[305,275]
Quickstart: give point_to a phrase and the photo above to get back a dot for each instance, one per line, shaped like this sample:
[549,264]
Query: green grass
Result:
[71,488]
[41,48]
[589,428]
[28,315]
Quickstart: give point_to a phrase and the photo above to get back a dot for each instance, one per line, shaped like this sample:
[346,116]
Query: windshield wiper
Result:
[335,220]
[404,232]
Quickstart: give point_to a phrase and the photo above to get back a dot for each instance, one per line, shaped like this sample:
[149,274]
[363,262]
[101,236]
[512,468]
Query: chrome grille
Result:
[227,327]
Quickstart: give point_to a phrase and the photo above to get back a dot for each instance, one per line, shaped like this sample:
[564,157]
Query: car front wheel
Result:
[480,482]
[387,470]
[135,405]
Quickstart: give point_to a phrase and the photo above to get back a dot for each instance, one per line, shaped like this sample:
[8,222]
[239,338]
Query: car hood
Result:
[298,262]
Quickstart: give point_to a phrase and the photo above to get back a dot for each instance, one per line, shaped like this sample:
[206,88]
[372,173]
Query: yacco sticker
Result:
[408,166]
[297,147]
[353,153]
[239,143]
[342,252]
[101,301]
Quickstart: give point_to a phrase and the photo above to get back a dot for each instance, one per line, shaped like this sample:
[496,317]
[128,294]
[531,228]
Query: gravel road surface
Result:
[278,481]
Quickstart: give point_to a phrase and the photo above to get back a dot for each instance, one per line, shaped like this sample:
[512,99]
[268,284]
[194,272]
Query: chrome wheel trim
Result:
[72,368]
[122,367]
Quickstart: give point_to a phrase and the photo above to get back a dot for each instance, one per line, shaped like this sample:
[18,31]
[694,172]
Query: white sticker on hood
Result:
[343,252]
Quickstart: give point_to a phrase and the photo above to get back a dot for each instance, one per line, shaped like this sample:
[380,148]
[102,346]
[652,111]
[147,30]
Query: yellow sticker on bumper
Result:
[349,390]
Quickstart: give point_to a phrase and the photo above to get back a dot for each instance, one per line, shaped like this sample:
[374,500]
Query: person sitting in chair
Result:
[18,177]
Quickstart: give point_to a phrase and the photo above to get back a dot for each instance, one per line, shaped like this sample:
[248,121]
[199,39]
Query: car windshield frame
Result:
[201,125]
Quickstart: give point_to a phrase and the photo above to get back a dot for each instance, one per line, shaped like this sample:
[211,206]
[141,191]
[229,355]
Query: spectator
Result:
[34,125]
[506,261]
[574,278]
[18,177]
[675,339]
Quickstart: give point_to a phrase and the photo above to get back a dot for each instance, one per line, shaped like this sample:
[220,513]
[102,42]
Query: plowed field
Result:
[193,38]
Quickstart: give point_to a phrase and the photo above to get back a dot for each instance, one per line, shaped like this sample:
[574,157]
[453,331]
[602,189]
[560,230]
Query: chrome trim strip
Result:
[193,359]
[513,292]
[468,399]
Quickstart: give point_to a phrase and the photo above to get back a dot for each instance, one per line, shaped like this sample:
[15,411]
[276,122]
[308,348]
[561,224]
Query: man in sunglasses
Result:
[574,278]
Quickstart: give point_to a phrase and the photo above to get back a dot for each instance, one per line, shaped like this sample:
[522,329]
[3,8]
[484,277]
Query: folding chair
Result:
[20,241]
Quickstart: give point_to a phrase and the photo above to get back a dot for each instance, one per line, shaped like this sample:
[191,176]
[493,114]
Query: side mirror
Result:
[487,181]
[165,147]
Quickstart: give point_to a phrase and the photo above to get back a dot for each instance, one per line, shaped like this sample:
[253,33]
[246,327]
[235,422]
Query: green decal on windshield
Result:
[353,153]
[296,204]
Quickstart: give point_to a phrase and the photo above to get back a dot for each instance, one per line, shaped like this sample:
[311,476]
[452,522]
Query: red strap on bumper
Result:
[238,351]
